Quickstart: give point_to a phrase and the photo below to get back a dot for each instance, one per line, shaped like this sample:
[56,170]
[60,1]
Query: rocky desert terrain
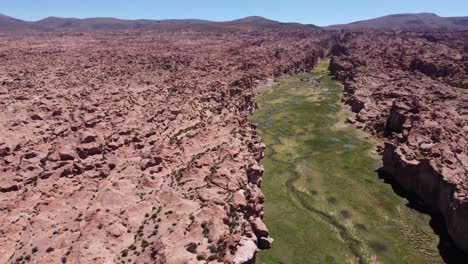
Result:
[410,89]
[135,146]
[128,141]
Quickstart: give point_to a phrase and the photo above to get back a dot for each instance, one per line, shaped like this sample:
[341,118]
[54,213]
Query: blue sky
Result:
[323,12]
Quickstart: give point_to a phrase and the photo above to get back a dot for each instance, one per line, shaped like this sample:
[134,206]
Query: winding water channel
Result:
[324,200]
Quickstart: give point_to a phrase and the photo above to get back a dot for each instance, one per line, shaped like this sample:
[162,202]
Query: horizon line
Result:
[208,20]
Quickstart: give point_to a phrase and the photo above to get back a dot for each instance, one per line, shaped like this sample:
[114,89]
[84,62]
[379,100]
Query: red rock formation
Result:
[408,89]
[118,147]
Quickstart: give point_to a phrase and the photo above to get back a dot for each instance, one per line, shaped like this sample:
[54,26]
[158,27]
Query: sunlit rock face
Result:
[135,146]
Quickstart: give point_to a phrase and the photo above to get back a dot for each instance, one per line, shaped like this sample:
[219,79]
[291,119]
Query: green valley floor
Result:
[325,202]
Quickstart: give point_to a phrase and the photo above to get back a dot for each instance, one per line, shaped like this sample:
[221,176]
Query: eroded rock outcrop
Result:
[135,146]
[408,89]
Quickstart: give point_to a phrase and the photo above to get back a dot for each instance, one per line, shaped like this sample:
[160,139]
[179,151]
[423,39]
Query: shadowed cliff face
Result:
[408,88]
[423,179]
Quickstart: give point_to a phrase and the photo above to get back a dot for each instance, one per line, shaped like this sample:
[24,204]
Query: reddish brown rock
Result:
[66,155]
[265,242]
[88,138]
[150,162]
[144,143]
[259,228]
[4,151]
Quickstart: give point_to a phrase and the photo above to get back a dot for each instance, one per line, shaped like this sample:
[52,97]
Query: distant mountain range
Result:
[414,22]
[410,22]
[52,24]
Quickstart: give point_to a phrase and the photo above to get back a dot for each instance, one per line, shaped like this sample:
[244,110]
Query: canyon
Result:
[135,146]
[410,90]
[324,199]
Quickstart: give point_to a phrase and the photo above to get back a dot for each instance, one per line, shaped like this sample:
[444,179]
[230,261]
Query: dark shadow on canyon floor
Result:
[447,249]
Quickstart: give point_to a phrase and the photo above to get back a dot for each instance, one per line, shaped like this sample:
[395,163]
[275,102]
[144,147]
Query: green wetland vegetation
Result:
[325,202]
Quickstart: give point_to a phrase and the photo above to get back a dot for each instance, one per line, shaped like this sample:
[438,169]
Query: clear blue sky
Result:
[322,12]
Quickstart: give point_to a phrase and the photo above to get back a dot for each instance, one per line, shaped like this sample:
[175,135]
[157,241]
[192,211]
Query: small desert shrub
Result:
[144,244]
[212,248]
[191,247]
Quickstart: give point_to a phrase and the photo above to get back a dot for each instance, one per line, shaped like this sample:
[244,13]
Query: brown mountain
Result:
[9,23]
[96,24]
[52,24]
[410,22]
[256,22]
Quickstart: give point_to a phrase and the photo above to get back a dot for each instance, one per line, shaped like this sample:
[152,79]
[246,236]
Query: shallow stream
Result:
[325,202]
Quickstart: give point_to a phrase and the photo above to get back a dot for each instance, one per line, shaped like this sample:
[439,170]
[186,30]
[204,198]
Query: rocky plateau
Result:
[134,147]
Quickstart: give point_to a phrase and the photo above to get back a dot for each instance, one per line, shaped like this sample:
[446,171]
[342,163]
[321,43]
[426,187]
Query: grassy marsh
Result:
[324,201]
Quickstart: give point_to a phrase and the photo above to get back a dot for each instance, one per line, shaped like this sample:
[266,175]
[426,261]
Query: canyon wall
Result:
[409,89]
[120,147]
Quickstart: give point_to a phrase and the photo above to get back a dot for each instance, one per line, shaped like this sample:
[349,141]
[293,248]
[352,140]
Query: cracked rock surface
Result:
[123,147]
